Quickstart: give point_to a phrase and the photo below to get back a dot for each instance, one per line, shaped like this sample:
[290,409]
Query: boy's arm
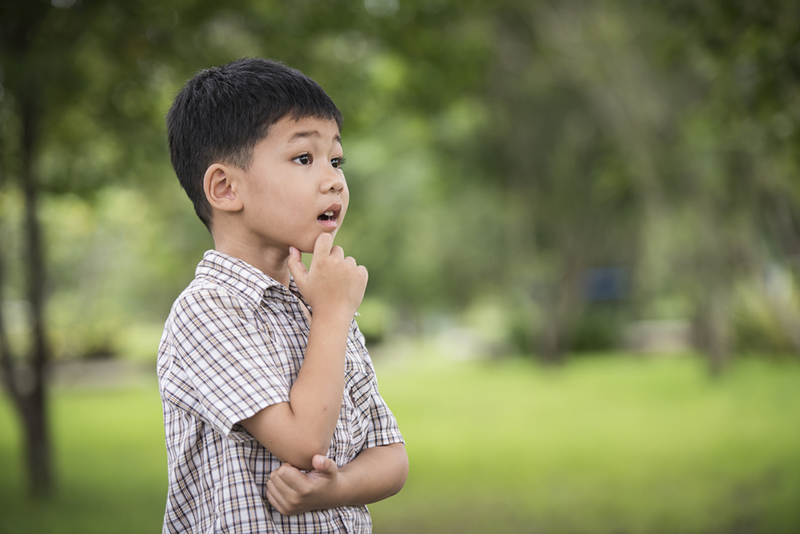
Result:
[297,430]
[375,474]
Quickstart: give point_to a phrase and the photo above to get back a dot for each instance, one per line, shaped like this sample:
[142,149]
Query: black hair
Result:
[223,112]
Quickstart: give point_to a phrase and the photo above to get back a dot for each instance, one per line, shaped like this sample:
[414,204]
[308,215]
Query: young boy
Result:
[272,413]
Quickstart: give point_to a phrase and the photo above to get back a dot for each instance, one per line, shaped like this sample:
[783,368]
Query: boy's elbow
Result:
[280,433]
[298,453]
[401,466]
[302,454]
[404,472]
[309,453]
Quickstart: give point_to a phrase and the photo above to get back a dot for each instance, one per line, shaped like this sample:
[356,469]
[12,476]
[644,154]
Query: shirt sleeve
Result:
[383,425]
[224,367]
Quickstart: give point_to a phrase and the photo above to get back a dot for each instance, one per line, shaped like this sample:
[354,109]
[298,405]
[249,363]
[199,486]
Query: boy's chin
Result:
[308,247]
[305,248]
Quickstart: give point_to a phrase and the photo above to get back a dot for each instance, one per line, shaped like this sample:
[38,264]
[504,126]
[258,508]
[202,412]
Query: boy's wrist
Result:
[341,492]
[337,315]
[335,494]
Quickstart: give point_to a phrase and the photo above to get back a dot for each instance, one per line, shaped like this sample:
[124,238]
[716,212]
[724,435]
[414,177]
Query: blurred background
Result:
[581,222]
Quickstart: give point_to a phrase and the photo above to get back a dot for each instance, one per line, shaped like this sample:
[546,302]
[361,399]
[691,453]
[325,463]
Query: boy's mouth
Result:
[330,214]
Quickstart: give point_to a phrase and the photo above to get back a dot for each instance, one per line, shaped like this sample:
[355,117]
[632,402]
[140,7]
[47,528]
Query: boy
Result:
[272,413]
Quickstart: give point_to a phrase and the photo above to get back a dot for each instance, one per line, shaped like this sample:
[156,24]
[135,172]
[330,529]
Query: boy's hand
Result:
[293,492]
[333,284]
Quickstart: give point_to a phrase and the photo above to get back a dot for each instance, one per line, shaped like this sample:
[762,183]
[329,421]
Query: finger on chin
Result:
[323,244]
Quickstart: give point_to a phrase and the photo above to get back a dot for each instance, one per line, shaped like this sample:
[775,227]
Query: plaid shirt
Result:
[233,345]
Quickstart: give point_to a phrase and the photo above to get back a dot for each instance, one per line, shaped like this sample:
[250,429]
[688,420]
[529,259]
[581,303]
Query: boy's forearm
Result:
[375,474]
[297,430]
[316,395]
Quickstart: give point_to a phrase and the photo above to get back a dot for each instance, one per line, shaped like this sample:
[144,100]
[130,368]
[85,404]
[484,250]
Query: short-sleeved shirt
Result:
[233,345]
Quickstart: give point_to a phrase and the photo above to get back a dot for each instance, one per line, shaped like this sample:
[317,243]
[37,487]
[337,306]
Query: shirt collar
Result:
[239,275]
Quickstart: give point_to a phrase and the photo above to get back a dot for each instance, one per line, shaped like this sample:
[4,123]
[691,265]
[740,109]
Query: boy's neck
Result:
[270,261]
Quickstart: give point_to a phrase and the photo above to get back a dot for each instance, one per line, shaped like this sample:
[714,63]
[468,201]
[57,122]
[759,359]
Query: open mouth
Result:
[330,214]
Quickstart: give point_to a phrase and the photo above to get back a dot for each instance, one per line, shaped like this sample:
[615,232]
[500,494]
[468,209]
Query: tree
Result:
[21,21]
[739,141]
[54,68]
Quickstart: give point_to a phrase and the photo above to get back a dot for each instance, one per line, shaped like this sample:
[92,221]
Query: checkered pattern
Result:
[233,345]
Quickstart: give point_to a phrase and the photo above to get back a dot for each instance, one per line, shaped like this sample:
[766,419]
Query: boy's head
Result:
[223,112]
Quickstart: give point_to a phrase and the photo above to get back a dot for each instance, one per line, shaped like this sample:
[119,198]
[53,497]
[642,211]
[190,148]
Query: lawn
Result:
[608,444]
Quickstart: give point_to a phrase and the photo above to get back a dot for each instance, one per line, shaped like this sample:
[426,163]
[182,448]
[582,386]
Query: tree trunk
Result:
[37,442]
[24,375]
[551,343]
[34,402]
[712,329]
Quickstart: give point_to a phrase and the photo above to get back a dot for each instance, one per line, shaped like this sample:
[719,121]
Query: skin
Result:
[267,215]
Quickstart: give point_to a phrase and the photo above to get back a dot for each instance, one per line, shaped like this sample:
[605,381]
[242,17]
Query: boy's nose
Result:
[333,182]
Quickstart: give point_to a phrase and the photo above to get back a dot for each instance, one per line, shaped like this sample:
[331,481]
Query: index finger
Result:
[323,245]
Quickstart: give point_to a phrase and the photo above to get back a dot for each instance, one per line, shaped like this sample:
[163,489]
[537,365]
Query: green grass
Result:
[110,462]
[605,445]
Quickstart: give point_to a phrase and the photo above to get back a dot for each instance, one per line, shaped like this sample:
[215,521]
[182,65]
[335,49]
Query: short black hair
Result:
[223,112]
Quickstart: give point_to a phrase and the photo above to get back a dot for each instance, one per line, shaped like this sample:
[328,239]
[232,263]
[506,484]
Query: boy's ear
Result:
[219,185]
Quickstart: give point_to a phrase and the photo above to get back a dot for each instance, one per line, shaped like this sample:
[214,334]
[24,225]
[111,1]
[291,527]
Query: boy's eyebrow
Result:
[311,133]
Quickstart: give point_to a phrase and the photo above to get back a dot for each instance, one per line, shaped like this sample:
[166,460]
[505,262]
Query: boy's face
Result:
[295,189]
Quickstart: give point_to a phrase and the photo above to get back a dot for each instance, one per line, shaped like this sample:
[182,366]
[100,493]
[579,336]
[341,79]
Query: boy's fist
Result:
[293,492]
[334,283]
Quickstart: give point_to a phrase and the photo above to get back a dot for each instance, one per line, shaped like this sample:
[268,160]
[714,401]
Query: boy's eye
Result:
[305,159]
[338,162]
